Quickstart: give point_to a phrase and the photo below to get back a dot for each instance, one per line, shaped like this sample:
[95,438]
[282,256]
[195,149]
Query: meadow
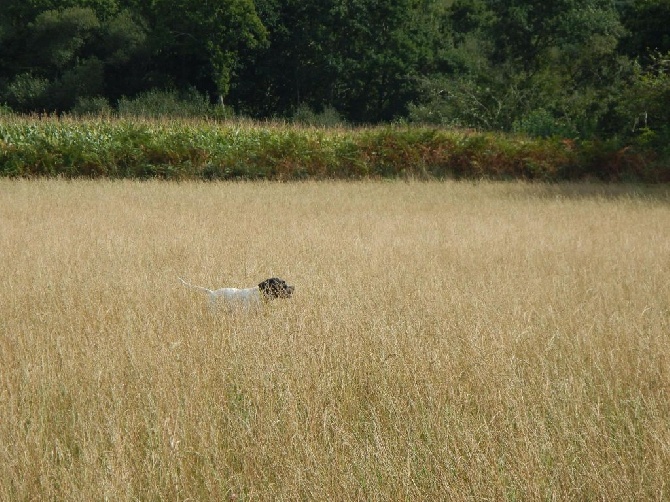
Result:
[446,341]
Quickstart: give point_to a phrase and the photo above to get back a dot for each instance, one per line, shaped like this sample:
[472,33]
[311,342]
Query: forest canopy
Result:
[569,68]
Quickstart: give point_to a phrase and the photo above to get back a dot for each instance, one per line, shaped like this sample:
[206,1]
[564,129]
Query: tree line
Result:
[575,68]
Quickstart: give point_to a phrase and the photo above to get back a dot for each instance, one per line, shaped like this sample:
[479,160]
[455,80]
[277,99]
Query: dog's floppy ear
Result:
[268,287]
[275,288]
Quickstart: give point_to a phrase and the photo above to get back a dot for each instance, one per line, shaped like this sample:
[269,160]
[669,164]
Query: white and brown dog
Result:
[247,298]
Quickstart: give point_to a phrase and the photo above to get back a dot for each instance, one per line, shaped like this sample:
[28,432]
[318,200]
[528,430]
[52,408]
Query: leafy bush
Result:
[92,106]
[5,110]
[645,103]
[329,117]
[542,124]
[158,104]
[486,104]
[26,93]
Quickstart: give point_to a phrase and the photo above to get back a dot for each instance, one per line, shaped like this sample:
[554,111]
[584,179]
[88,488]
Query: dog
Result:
[247,298]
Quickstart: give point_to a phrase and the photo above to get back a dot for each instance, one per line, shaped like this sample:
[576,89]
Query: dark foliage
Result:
[578,69]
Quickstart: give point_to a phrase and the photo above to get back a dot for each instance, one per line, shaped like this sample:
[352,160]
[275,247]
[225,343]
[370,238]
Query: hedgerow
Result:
[179,150]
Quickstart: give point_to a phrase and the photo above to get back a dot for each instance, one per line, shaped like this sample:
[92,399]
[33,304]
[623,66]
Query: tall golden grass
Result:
[446,341]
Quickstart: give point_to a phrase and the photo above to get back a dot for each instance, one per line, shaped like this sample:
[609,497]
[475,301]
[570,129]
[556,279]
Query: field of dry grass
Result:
[446,341]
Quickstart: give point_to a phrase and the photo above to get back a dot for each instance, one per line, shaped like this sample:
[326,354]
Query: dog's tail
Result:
[209,291]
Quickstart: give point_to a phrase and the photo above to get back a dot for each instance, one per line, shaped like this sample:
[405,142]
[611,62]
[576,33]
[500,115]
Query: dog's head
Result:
[275,288]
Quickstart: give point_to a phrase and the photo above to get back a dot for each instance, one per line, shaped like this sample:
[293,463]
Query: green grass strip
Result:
[183,150]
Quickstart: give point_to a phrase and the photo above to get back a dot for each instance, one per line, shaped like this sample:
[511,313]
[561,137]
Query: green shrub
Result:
[27,92]
[159,104]
[645,102]
[95,106]
[328,117]
[543,124]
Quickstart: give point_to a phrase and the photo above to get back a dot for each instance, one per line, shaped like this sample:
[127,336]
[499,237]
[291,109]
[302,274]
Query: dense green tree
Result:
[73,49]
[379,46]
[58,37]
[645,103]
[297,67]
[646,22]
[518,58]
[362,57]
[22,12]
[56,64]
[67,54]
[199,43]
[127,55]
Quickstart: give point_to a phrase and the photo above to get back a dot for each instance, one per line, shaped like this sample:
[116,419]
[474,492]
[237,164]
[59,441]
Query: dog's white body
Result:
[246,298]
